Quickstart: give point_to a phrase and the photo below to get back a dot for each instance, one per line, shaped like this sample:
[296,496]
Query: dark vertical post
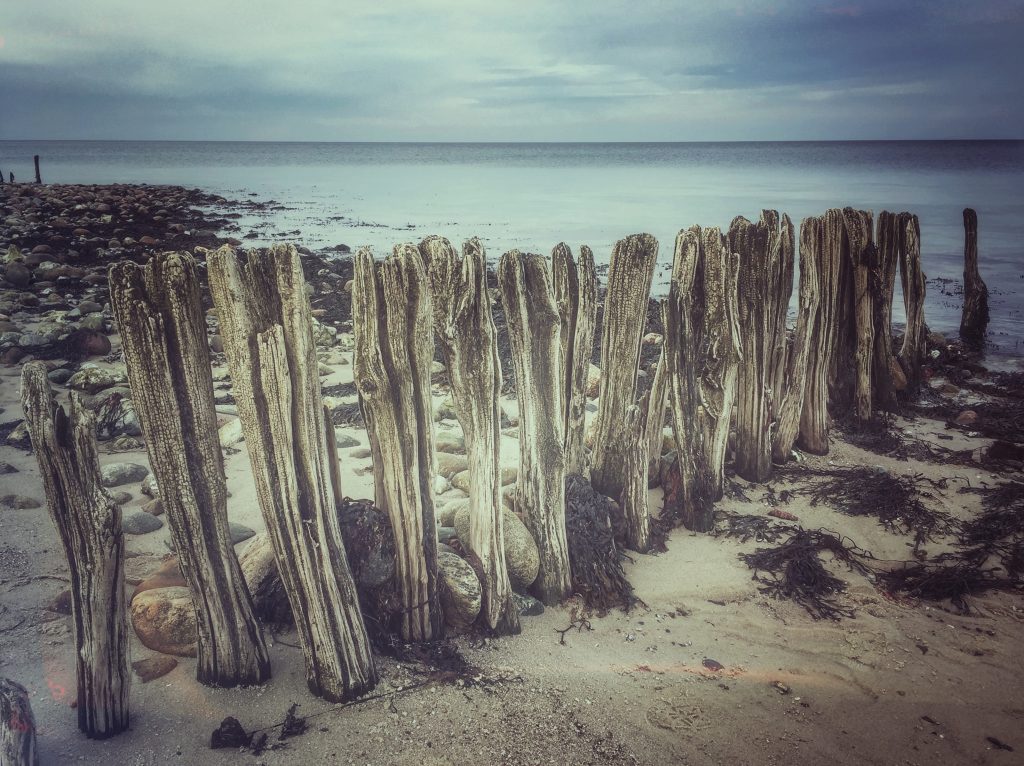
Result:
[35,159]
[975,315]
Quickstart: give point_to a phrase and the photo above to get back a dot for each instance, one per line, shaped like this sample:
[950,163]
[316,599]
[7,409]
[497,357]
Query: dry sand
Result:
[899,684]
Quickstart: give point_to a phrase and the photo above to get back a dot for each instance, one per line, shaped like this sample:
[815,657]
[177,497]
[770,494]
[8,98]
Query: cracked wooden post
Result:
[266,324]
[469,344]
[863,261]
[765,283]
[888,378]
[633,500]
[88,522]
[797,367]
[333,464]
[163,335]
[534,330]
[394,347]
[17,726]
[974,320]
[575,289]
[701,359]
[655,417]
[912,278]
[823,237]
[625,314]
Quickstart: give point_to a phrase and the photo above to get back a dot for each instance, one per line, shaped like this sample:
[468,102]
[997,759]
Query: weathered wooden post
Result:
[974,319]
[469,344]
[575,288]
[797,367]
[393,323]
[625,314]
[863,255]
[39,178]
[823,239]
[701,358]
[88,522]
[17,726]
[912,278]
[534,329]
[655,418]
[887,378]
[266,324]
[633,500]
[765,283]
[163,335]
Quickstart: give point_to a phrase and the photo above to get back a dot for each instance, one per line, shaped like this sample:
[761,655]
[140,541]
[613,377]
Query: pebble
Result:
[140,523]
[116,474]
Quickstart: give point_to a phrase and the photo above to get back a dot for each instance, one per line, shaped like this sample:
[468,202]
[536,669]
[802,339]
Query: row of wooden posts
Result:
[39,178]
[727,358]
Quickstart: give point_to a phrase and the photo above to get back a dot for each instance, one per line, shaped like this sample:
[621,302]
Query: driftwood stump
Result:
[469,344]
[655,418]
[765,284]
[823,239]
[633,500]
[534,328]
[88,522]
[974,320]
[794,387]
[575,288]
[17,726]
[393,324]
[163,334]
[863,261]
[267,329]
[625,314]
[701,356]
[912,278]
[888,378]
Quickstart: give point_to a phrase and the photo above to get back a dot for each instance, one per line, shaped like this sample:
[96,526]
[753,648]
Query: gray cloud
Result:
[528,70]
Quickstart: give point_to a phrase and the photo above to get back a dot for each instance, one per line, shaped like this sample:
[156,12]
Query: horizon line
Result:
[489,142]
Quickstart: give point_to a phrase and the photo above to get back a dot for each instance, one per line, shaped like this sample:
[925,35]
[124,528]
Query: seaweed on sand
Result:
[591,520]
[794,571]
[998,532]
[945,577]
[745,527]
[896,501]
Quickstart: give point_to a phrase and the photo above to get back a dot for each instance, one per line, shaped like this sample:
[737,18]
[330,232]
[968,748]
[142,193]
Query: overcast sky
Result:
[586,70]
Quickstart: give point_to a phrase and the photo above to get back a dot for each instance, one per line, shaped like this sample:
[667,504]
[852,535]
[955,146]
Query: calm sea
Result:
[531,196]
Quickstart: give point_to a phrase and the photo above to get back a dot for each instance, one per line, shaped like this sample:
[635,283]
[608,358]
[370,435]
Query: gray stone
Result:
[19,502]
[165,620]
[93,379]
[117,474]
[445,515]
[121,497]
[522,559]
[140,523]
[528,606]
[445,534]
[149,487]
[33,340]
[59,376]
[344,441]
[459,592]
[239,532]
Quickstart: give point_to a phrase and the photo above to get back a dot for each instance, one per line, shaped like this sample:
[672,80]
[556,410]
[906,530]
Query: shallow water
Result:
[531,196]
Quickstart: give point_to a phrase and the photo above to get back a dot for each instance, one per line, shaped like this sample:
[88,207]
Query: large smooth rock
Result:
[259,568]
[460,591]
[140,523]
[165,621]
[116,474]
[93,379]
[522,559]
[449,464]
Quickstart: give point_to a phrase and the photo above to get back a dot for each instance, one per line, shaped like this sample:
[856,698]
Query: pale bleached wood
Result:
[974,318]
[654,423]
[17,726]
[633,500]
[524,281]
[575,289]
[824,237]
[913,280]
[163,335]
[469,344]
[88,523]
[765,284]
[701,359]
[625,315]
[800,351]
[266,324]
[888,378]
[333,462]
[393,325]
[863,255]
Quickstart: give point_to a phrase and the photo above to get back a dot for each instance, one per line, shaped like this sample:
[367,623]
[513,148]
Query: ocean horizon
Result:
[532,195]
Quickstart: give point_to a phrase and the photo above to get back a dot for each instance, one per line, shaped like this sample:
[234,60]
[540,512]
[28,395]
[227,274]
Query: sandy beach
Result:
[705,668]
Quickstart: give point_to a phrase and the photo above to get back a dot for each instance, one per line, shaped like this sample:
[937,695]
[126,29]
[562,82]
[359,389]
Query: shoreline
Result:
[632,687]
